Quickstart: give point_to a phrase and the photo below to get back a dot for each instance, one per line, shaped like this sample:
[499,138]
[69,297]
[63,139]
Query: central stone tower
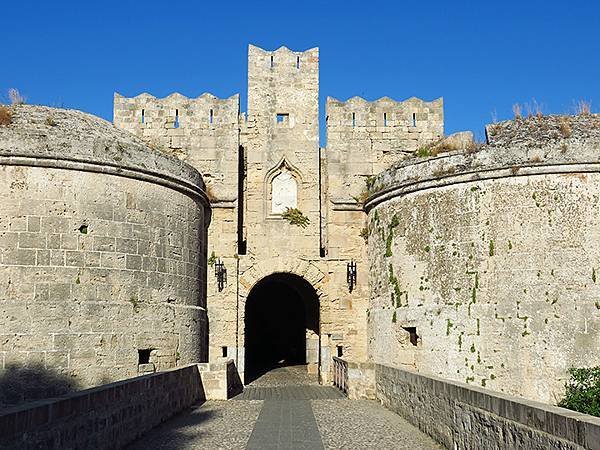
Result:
[280,141]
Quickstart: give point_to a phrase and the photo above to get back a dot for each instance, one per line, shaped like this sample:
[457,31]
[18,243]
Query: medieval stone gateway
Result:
[191,249]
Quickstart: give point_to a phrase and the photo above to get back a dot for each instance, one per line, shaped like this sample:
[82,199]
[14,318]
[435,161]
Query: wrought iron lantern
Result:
[351,275]
[221,274]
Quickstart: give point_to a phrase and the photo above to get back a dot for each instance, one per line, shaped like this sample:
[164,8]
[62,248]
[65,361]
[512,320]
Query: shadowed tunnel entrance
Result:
[281,325]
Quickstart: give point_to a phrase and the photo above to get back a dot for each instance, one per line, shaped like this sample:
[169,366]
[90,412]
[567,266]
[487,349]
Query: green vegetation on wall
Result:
[295,217]
[582,391]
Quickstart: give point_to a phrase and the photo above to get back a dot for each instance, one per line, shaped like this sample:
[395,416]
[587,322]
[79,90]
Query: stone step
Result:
[302,392]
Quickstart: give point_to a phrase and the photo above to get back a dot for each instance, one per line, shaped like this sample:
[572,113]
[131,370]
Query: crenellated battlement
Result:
[412,114]
[146,111]
[284,60]
[202,131]
[365,137]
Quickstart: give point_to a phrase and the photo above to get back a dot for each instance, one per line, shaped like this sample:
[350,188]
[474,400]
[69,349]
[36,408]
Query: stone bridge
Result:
[203,406]
[287,408]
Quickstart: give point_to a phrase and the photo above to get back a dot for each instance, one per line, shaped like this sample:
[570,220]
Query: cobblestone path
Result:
[287,409]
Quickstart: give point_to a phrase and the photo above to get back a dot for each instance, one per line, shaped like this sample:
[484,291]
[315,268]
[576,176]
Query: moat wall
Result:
[103,250]
[484,266]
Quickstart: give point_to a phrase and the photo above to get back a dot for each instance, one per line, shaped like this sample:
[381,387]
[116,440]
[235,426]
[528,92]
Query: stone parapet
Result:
[105,417]
[490,162]
[461,416]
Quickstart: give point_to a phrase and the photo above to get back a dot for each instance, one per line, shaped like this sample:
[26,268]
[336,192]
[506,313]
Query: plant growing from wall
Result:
[582,391]
[212,259]
[295,217]
[364,233]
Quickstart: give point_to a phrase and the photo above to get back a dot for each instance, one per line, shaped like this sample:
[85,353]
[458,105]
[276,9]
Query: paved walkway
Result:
[287,409]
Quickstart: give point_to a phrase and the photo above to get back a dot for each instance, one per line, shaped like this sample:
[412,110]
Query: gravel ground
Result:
[365,424]
[214,425]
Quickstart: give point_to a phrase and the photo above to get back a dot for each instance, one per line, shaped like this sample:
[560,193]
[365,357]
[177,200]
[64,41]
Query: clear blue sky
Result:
[480,56]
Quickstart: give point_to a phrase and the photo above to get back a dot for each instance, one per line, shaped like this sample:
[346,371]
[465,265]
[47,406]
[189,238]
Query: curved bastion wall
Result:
[102,250]
[485,265]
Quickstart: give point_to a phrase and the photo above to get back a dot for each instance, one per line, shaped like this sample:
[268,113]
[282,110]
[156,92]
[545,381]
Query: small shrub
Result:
[565,128]
[135,303]
[364,233]
[15,97]
[50,122]
[210,194]
[295,217]
[362,197]
[582,391]
[212,259]
[5,116]
[423,152]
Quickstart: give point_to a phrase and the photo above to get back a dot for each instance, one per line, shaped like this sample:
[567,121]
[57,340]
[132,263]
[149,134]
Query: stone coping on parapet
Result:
[180,97]
[383,101]
[576,154]
[40,136]
[282,49]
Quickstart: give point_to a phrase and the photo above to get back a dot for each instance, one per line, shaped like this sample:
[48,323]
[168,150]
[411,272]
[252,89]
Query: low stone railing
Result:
[462,416]
[340,374]
[104,417]
[115,414]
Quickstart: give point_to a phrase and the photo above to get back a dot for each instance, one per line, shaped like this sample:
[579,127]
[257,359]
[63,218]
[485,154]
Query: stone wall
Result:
[204,132]
[484,265]
[106,417]
[461,416]
[103,250]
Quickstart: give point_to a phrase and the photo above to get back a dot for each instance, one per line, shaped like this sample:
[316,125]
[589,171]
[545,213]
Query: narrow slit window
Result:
[224,351]
[385,119]
[272,64]
[353,119]
[414,119]
[297,62]
[176,118]
[413,336]
[340,351]
[143,116]
[210,116]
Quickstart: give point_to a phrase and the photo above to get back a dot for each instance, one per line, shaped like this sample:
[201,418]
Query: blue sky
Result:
[482,57]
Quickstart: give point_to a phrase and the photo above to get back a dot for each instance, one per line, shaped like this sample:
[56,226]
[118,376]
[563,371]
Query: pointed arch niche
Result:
[282,185]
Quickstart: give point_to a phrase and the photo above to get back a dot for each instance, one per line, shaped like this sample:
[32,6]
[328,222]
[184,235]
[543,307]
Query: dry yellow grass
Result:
[517,111]
[5,116]
[583,108]
[565,128]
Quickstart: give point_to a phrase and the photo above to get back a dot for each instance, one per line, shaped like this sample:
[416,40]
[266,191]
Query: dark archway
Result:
[281,325]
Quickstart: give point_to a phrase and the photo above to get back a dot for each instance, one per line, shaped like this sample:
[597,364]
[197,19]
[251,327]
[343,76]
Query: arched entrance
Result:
[281,326]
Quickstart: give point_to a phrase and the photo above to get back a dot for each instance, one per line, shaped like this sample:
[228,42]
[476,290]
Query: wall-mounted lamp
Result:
[221,274]
[351,275]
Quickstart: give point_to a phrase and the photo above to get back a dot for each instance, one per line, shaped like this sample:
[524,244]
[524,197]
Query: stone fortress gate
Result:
[286,298]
